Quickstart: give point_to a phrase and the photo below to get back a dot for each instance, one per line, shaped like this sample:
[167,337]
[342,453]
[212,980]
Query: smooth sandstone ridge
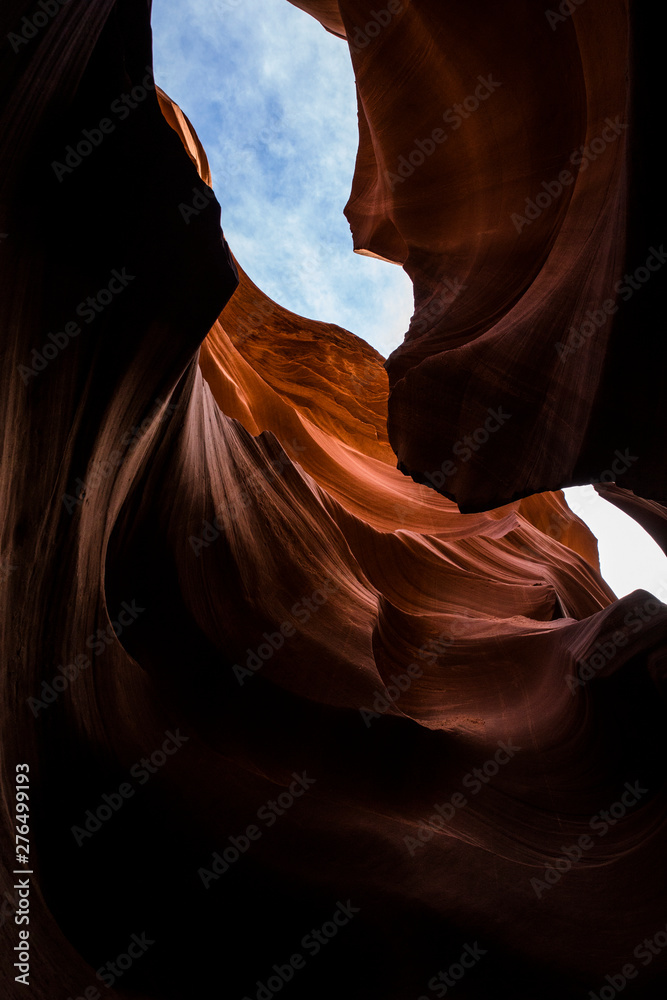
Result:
[292,719]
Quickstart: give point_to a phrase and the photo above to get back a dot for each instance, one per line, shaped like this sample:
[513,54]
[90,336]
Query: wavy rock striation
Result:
[506,160]
[276,698]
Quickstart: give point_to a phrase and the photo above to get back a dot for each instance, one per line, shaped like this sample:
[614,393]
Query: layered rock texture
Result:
[316,679]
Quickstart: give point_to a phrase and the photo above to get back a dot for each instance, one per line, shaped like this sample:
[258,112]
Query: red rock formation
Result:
[495,164]
[286,603]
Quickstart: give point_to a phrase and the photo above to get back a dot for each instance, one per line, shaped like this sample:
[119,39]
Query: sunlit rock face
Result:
[291,719]
[506,160]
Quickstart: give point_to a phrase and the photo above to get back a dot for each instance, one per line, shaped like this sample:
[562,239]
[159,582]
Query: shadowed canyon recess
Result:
[311,684]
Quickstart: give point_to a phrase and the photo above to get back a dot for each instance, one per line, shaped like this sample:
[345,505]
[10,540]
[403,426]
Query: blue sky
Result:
[271,95]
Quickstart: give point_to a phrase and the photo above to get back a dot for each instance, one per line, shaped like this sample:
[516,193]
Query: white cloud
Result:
[629,558]
[272,97]
[278,120]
